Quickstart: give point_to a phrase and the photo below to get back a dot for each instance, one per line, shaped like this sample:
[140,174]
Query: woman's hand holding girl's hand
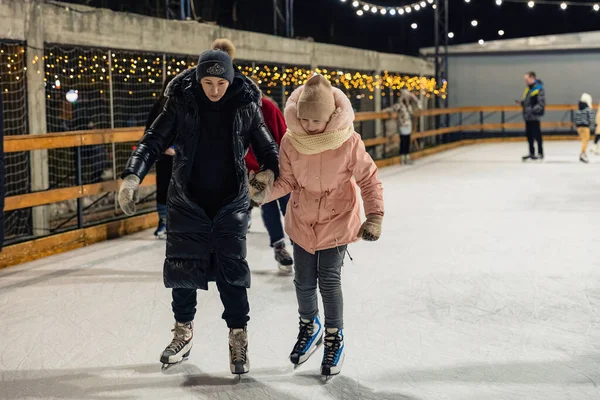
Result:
[371,228]
[260,185]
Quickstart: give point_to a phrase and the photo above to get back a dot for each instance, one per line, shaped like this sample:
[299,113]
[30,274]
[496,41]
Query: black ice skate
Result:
[529,157]
[238,351]
[161,230]
[283,258]
[333,357]
[180,346]
[310,337]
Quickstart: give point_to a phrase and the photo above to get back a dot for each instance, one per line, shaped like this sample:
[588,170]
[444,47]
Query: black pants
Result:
[534,133]
[596,138]
[404,144]
[234,299]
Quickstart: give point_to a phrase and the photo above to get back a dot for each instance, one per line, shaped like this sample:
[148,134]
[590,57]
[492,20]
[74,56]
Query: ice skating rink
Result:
[485,285]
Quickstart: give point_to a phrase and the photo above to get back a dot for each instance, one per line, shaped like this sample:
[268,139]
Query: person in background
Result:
[271,211]
[583,118]
[211,117]
[405,109]
[164,165]
[534,106]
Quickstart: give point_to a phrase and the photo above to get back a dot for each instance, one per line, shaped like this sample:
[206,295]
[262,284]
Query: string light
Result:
[499,2]
[531,4]
[450,35]
[387,10]
[474,22]
[563,6]
[501,32]
[414,25]
[596,7]
[481,42]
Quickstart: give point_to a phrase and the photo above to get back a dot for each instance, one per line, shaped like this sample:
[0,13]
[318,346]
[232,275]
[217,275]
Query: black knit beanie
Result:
[215,63]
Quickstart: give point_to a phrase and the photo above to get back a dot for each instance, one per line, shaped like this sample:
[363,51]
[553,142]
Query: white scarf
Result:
[320,142]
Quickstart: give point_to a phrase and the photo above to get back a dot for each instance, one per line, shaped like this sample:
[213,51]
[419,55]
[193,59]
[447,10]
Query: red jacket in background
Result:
[275,122]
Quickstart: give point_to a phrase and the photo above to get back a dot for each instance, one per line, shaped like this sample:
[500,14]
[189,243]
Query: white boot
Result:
[181,345]
[238,351]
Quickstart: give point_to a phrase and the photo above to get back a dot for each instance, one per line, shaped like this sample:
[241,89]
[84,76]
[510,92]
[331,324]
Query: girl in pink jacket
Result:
[319,155]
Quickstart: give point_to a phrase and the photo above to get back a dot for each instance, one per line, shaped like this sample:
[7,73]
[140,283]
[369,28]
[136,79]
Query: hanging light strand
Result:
[364,7]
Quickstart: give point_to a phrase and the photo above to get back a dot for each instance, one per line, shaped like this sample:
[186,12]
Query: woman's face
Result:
[214,88]
[313,126]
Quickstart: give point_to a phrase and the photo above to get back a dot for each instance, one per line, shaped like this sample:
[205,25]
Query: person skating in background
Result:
[583,118]
[211,117]
[534,106]
[319,156]
[164,166]
[405,108]
[271,212]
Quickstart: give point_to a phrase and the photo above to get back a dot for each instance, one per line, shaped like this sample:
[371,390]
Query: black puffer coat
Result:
[191,235]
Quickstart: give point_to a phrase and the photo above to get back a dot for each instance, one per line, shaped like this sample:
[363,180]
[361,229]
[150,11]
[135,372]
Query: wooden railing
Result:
[121,135]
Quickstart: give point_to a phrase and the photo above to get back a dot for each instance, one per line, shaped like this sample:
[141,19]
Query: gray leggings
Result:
[326,267]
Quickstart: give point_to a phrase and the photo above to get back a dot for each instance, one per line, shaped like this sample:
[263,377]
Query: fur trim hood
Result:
[342,118]
[186,82]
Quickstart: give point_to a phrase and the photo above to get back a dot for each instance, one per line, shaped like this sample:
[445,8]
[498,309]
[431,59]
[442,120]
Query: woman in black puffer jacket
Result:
[211,117]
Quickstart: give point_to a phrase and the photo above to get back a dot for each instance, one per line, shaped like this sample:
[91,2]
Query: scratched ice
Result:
[485,285]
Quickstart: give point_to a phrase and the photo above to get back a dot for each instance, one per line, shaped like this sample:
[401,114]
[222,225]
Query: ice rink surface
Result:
[484,285]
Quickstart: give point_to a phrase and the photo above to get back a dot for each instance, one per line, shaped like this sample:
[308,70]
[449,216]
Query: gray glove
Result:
[260,185]
[128,194]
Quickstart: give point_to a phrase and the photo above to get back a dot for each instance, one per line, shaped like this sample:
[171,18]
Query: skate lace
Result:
[306,331]
[333,343]
[179,340]
[238,347]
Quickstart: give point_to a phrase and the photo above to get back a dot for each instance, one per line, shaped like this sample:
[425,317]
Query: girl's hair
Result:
[225,45]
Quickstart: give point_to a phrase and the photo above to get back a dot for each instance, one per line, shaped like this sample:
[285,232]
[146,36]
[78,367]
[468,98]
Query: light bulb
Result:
[359,13]
[401,11]
[355,4]
[414,25]
[499,2]
[474,22]
[393,11]
[417,7]
[481,42]
[596,7]
[531,4]
[343,1]
[366,7]
[434,6]
[408,10]
[423,4]
[467,1]
[563,6]
[383,11]
[374,10]
[450,35]
[501,32]
[430,1]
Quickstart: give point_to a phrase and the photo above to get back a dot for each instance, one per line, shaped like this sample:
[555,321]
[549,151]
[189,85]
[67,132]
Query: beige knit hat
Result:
[316,101]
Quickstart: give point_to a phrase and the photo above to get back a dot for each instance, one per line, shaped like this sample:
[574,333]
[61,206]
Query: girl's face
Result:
[313,126]
[214,88]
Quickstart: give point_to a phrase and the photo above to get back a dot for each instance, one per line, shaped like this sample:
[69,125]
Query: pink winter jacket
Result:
[324,210]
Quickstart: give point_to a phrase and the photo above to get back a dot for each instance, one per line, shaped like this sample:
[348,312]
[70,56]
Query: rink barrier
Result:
[35,248]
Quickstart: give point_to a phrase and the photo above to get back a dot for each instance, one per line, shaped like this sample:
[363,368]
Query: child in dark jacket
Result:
[583,119]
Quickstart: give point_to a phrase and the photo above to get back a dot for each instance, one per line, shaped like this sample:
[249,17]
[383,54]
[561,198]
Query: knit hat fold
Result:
[217,62]
[316,101]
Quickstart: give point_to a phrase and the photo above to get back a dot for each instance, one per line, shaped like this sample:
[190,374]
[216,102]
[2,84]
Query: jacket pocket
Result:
[340,200]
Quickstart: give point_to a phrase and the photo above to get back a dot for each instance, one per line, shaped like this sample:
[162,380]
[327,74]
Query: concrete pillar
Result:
[36,103]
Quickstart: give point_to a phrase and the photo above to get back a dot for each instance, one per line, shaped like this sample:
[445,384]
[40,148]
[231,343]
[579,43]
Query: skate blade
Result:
[168,366]
[285,269]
